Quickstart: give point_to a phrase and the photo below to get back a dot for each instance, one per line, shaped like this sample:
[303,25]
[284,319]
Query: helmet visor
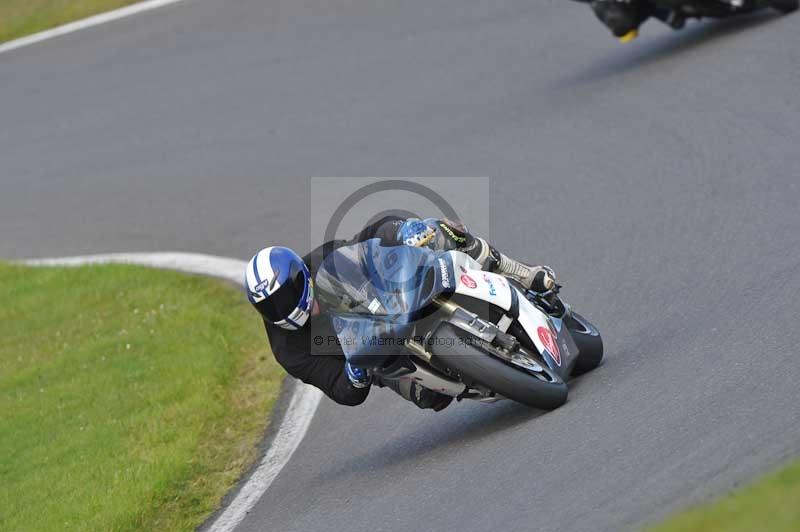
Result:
[282,302]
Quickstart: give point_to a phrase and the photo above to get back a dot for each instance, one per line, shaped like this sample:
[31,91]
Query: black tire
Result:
[589,342]
[784,6]
[453,348]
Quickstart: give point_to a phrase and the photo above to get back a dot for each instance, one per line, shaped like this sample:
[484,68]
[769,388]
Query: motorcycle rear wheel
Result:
[589,342]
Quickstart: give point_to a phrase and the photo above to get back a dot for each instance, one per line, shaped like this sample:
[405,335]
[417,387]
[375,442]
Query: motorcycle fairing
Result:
[375,293]
[478,284]
[497,290]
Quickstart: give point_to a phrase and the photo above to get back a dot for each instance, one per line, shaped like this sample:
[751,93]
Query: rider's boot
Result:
[358,377]
[419,395]
[537,278]
[622,17]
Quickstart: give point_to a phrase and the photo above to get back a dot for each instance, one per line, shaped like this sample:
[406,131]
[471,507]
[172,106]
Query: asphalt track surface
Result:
[661,179]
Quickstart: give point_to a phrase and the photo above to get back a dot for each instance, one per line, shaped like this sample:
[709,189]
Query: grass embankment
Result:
[130,398]
[23,17]
[772,505]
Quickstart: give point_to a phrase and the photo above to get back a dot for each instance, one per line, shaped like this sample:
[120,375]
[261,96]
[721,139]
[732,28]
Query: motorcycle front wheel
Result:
[459,351]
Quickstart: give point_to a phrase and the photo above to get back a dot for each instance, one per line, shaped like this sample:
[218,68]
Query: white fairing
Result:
[531,319]
[495,289]
[473,282]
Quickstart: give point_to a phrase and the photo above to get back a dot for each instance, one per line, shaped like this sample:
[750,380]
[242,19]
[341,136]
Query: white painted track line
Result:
[220,267]
[302,405]
[88,22]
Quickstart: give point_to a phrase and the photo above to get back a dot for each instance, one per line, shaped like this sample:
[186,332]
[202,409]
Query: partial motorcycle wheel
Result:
[589,342]
[785,6]
[456,349]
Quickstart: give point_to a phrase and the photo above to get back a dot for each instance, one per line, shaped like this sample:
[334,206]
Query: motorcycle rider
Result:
[624,17]
[279,284]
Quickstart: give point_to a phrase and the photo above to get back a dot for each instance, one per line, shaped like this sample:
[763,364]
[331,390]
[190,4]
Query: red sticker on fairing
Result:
[550,344]
[468,281]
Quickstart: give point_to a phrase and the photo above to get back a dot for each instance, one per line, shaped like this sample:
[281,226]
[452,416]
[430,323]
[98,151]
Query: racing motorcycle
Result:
[436,318]
[622,15]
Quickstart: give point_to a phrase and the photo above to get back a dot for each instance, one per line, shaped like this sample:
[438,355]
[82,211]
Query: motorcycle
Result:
[624,17]
[436,318]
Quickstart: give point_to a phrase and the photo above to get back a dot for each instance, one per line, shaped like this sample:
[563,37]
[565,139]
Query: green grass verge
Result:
[130,398]
[23,17]
[771,504]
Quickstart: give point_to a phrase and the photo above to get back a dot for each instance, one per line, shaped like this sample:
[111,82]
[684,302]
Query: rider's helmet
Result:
[280,287]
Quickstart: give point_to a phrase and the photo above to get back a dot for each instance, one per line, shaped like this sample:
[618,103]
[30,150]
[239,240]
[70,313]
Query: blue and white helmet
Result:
[280,287]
